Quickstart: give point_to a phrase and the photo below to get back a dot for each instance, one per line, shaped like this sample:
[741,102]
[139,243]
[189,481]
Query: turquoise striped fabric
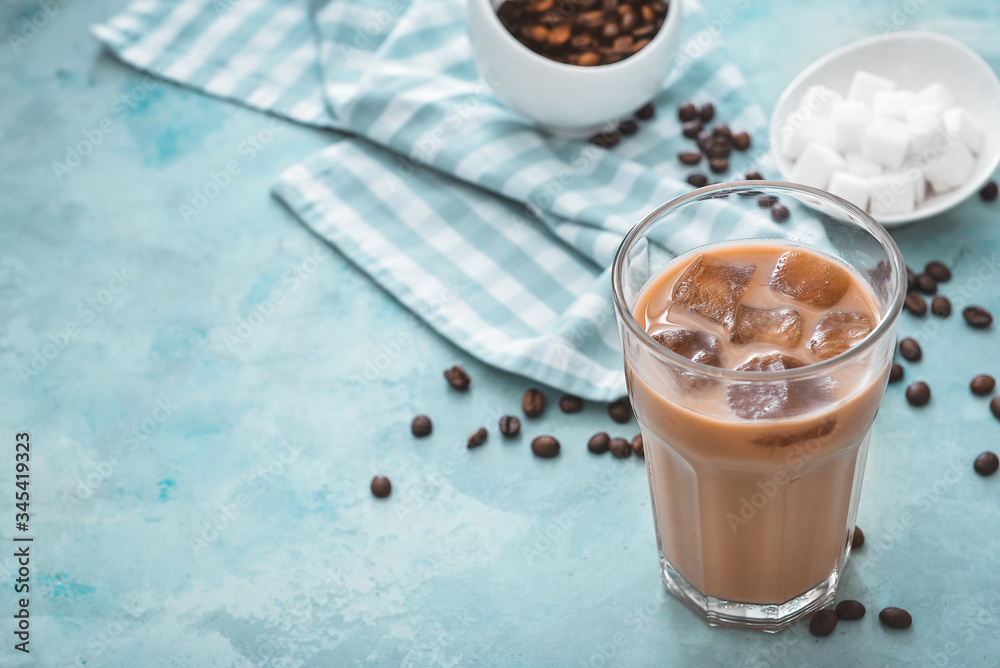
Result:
[498,235]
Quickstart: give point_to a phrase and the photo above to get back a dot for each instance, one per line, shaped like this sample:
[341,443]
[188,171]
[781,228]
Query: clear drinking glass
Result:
[754,517]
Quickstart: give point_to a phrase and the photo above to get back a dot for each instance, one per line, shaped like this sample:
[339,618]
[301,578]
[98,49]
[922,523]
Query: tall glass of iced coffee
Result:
[757,353]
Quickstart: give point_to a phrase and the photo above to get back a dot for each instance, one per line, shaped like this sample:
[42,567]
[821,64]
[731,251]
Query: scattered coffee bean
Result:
[646,112]
[850,610]
[689,157]
[977,316]
[510,426]
[717,148]
[754,175]
[939,271]
[722,130]
[926,284]
[895,618]
[599,443]
[986,463]
[910,350]
[620,411]
[989,191]
[628,128]
[915,304]
[823,623]
[698,180]
[857,538]
[478,437]
[421,426]
[703,139]
[779,212]
[895,373]
[741,141]
[620,448]
[718,165]
[766,201]
[691,129]
[941,306]
[533,402]
[637,448]
[570,404]
[918,393]
[982,384]
[686,112]
[545,447]
[995,407]
[604,139]
[457,378]
[381,487]
[911,280]
[707,112]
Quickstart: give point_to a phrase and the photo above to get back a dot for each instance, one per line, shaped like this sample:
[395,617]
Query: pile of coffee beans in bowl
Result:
[583,32]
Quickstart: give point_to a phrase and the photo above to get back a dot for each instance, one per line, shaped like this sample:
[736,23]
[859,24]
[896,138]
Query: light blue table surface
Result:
[200,491]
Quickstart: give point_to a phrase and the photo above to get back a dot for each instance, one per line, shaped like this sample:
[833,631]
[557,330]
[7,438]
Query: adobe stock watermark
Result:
[899,15]
[29,26]
[110,631]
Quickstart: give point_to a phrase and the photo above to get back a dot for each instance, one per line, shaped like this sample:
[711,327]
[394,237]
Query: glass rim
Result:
[866,222]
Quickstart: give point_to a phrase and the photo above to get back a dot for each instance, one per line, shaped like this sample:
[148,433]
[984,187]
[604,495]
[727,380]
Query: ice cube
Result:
[816,165]
[698,346]
[850,119]
[894,192]
[818,100]
[961,125]
[759,400]
[839,331]
[780,326]
[712,289]
[796,135]
[809,279]
[894,103]
[857,164]
[886,142]
[926,126]
[855,189]
[951,168]
[864,85]
[936,95]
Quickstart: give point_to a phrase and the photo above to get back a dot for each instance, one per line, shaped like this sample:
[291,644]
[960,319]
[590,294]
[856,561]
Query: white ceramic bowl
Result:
[568,99]
[913,60]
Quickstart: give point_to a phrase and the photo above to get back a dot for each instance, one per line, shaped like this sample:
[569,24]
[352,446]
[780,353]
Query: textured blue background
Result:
[200,490]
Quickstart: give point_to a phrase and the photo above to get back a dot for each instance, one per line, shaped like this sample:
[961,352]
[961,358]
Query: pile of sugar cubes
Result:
[881,147]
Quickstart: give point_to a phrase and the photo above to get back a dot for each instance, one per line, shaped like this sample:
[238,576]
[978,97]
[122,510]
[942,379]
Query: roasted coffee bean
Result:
[457,378]
[478,437]
[381,487]
[823,623]
[421,426]
[986,463]
[982,384]
[939,271]
[599,443]
[610,30]
[895,373]
[689,157]
[605,139]
[717,148]
[989,191]
[895,618]
[629,18]
[707,112]
[857,538]
[741,141]
[620,410]
[941,306]
[754,175]
[510,426]
[718,165]
[722,130]
[545,447]
[766,201]
[569,403]
[646,112]
[637,448]
[686,112]
[697,179]
[910,350]
[850,610]
[918,393]
[915,304]
[620,448]
[779,212]
[628,128]
[995,407]
[533,402]
[703,139]
[691,129]
[911,280]
[926,284]
[977,316]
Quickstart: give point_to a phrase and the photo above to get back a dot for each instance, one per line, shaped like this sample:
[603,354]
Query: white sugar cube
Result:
[961,125]
[926,126]
[892,193]
[886,142]
[818,100]
[864,85]
[936,95]
[894,103]
[855,189]
[951,168]
[857,164]
[850,119]
[919,183]
[816,165]
[795,135]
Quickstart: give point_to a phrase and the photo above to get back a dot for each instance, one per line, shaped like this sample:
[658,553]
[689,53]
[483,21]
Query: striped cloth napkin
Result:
[498,235]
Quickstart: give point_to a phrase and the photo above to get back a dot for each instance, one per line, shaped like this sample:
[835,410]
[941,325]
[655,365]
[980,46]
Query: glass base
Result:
[769,618]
